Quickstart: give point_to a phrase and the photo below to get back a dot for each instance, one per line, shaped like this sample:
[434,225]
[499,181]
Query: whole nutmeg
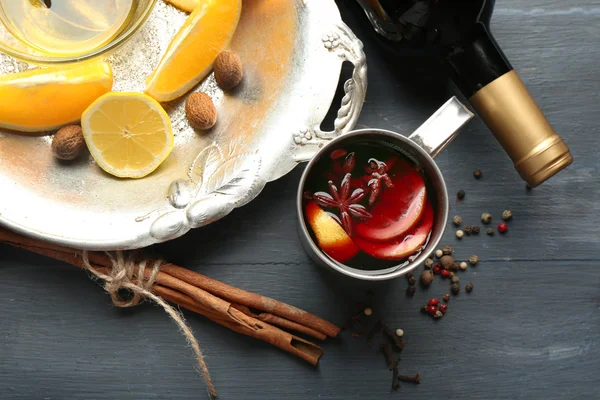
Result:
[427,277]
[200,111]
[68,143]
[228,70]
[447,261]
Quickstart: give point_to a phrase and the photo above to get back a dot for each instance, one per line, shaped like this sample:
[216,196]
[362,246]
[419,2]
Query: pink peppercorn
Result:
[431,310]
[443,308]
[502,227]
[445,273]
[433,302]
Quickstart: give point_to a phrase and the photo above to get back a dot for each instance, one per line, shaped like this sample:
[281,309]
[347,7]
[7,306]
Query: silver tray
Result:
[292,52]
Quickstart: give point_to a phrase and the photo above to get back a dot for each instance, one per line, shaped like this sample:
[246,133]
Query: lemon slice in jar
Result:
[128,134]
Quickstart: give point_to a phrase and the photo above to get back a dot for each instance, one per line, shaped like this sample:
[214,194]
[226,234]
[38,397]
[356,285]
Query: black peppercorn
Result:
[477,173]
[455,267]
[423,309]
[410,290]
[412,280]
[469,288]
[455,288]
[408,276]
[460,195]
[490,231]
[475,230]
[468,230]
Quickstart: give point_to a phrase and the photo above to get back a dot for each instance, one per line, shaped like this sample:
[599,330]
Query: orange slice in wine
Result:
[331,237]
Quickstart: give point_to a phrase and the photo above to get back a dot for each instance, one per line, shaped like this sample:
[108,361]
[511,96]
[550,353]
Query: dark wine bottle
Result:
[458,31]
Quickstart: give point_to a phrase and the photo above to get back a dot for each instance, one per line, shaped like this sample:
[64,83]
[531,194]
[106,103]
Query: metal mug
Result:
[424,144]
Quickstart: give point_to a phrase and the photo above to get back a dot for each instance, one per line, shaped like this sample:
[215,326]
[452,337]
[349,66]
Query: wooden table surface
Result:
[529,330]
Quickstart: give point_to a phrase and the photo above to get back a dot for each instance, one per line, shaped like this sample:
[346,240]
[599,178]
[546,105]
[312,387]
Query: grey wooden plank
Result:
[529,330]
[498,342]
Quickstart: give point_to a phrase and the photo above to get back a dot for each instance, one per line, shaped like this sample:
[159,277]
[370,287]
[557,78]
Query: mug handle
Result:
[443,126]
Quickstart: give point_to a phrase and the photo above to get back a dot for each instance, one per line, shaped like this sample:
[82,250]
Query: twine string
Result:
[123,274]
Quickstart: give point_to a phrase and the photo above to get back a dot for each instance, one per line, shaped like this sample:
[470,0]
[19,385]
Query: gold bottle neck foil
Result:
[508,109]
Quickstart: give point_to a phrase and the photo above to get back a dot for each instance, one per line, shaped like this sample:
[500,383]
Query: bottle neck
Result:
[477,62]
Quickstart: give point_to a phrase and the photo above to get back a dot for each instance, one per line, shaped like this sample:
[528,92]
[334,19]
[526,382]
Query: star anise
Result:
[346,202]
[379,177]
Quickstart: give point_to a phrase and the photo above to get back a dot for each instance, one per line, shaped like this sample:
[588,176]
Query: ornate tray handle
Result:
[344,42]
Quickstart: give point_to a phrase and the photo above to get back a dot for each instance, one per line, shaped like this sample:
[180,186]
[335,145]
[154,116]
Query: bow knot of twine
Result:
[130,274]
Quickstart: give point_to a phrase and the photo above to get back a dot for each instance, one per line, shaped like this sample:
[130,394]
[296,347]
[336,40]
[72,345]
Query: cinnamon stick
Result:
[252,300]
[282,322]
[249,326]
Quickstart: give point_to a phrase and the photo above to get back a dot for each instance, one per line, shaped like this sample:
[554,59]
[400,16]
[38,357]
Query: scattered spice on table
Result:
[477,173]
[467,230]
[475,230]
[457,220]
[507,215]
[486,218]
[490,232]
[460,194]
[474,260]
[460,234]
[502,227]
[427,277]
[455,288]
[469,287]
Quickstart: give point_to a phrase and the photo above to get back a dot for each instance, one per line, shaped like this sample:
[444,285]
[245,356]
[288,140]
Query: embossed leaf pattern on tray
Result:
[217,183]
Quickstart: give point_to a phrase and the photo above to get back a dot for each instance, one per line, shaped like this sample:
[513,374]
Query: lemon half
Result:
[128,134]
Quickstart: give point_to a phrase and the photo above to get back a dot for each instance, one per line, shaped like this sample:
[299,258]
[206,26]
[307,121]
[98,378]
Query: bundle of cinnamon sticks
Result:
[244,312]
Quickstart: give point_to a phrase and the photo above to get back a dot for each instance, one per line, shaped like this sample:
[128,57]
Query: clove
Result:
[397,342]
[413,379]
[387,353]
[395,380]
